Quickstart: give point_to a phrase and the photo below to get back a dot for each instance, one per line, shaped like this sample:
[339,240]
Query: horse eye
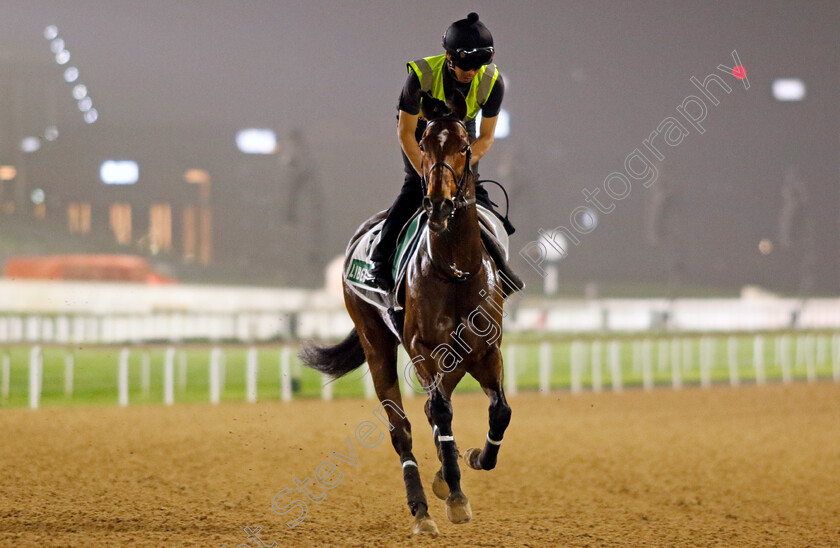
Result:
[464,149]
[421,148]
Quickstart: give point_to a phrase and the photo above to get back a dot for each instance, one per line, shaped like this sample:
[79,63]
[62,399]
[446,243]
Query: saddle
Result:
[412,240]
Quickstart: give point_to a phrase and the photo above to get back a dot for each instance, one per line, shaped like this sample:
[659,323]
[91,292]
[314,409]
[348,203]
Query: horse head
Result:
[446,151]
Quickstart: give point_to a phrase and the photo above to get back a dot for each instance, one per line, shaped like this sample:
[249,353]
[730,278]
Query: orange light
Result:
[197,176]
[7,173]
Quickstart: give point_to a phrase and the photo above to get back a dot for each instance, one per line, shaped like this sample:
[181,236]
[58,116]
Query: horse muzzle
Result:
[438,212]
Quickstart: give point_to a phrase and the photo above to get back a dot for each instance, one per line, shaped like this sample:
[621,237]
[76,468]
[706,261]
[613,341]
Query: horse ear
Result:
[431,108]
[457,104]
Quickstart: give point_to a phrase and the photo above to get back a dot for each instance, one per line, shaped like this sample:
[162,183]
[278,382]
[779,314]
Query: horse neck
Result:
[461,243]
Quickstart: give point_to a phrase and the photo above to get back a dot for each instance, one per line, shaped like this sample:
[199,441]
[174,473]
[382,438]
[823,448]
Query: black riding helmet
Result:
[469,43]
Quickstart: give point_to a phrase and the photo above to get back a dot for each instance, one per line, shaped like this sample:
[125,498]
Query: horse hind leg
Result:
[385,381]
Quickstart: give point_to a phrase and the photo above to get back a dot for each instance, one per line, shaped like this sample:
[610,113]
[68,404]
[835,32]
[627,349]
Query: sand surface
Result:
[752,466]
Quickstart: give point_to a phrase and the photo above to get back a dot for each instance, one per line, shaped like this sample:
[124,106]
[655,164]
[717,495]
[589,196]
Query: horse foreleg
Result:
[485,459]
[448,383]
[490,378]
[457,506]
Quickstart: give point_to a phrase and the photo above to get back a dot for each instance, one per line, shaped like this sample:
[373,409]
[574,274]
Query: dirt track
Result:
[723,467]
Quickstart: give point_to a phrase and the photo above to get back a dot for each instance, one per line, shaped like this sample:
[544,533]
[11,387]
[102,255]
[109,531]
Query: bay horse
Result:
[453,317]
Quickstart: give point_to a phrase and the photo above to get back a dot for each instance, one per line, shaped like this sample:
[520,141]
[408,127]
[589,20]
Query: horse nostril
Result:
[427,204]
[447,207]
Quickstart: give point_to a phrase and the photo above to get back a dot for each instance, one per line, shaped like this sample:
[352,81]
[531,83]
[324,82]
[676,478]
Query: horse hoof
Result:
[425,526]
[458,508]
[439,486]
[472,457]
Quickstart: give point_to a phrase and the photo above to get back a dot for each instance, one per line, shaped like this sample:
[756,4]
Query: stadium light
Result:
[57,45]
[71,74]
[30,144]
[51,32]
[62,57]
[256,141]
[119,172]
[51,133]
[589,219]
[91,116]
[79,92]
[37,196]
[788,89]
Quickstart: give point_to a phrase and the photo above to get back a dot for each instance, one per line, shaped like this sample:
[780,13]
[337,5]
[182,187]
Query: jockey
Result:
[467,67]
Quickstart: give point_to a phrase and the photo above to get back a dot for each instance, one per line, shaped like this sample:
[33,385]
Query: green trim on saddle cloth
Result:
[403,244]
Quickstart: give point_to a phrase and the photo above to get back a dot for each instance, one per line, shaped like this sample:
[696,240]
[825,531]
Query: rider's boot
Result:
[512,282]
[380,276]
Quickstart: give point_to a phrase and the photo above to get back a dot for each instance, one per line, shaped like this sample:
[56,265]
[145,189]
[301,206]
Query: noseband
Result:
[458,201]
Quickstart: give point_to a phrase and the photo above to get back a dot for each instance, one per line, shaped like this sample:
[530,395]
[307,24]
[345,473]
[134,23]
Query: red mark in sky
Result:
[739,72]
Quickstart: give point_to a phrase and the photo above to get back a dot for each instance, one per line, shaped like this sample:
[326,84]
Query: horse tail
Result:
[336,360]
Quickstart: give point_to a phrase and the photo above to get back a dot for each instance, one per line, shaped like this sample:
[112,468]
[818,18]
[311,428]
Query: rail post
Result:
[676,376]
[326,388]
[615,366]
[787,375]
[647,364]
[215,381]
[36,372]
[576,357]
[145,374]
[169,376]
[597,383]
[123,377]
[69,367]
[252,364]
[285,374]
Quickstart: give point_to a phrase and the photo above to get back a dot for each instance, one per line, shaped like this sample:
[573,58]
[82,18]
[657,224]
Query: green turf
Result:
[96,368]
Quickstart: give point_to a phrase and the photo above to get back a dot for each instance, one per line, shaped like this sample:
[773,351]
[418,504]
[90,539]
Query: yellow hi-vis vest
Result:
[430,73]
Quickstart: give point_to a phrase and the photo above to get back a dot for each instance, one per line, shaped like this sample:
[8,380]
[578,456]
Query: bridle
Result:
[458,202]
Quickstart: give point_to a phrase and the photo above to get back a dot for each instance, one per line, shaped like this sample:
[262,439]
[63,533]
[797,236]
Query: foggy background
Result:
[586,82]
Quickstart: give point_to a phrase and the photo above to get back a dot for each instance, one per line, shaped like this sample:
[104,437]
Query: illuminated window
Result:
[7,173]
[73,217]
[160,228]
[189,231]
[78,217]
[121,223]
[206,250]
